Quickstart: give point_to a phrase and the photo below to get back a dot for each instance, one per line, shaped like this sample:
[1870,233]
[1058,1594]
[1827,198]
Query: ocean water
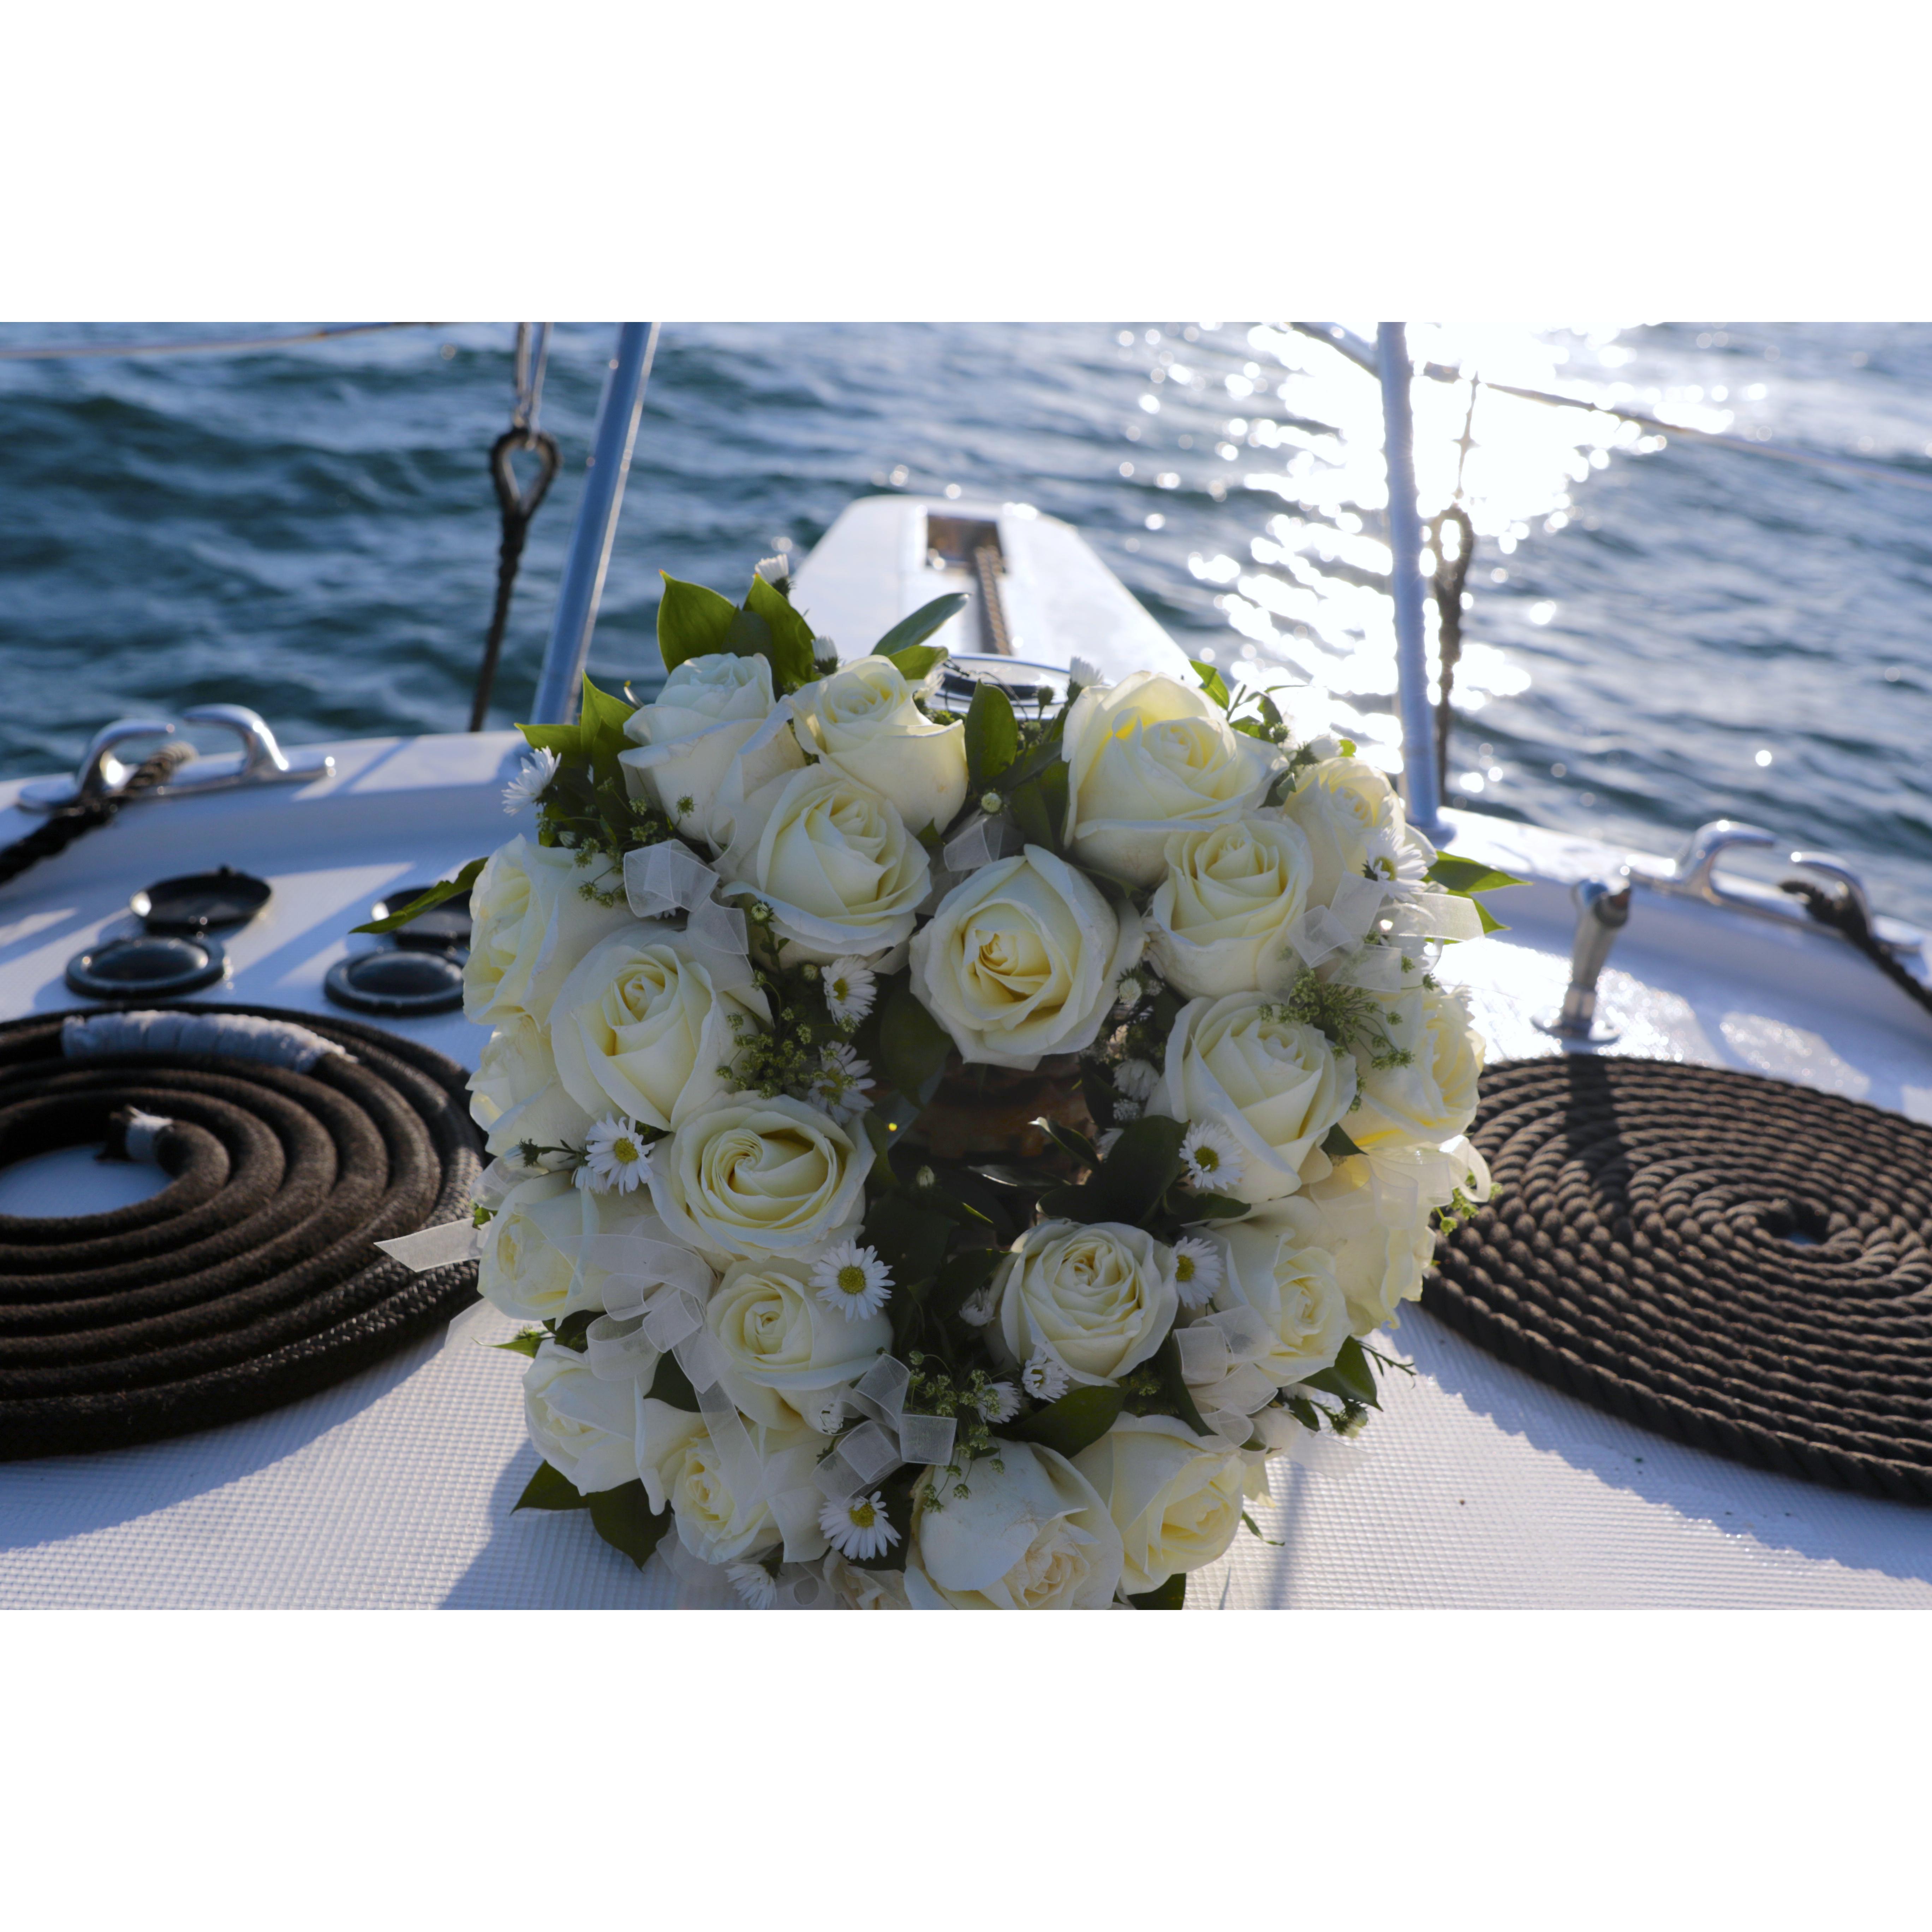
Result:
[1658,632]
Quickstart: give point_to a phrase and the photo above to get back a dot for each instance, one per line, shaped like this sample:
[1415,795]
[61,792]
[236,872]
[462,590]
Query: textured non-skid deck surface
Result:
[1478,1487]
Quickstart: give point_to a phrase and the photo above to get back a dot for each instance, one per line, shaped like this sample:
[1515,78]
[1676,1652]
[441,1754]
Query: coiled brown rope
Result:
[252,1278]
[1740,1264]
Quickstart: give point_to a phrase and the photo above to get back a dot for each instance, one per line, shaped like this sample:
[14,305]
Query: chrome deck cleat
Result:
[101,776]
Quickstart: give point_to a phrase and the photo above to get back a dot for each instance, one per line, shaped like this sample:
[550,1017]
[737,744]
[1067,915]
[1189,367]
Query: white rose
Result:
[1219,921]
[1379,1259]
[1270,1266]
[1276,1085]
[534,911]
[1432,1097]
[1146,755]
[688,737]
[585,1428]
[1175,1497]
[833,860]
[1036,1536]
[522,1271]
[863,720]
[855,1589]
[515,1093]
[1354,824]
[1101,1296]
[640,1028]
[1019,960]
[681,1467]
[782,1346]
[747,1177]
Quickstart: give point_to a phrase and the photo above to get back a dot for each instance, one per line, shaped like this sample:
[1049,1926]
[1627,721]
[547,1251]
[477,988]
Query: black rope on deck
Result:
[252,1279]
[1737,1263]
[1837,906]
[66,824]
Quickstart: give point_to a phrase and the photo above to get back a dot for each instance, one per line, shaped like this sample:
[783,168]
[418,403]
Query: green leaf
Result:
[602,717]
[749,636]
[1216,1207]
[916,661]
[622,1518]
[1305,1412]
[791,651]
[565,740]
[921,625]
[1349,1376]
[571,1331]
[1172,1595]
[1129,1184]
[1070,1142]
[1029,812]
[1174,1385]
[550,1489]
[1465,876]
[1336,1145]
[910,1240]
[447,890]
[692,622]
[1211,682]
[1053,784]
[962,1276]
[527,1343]
[913,1045]
[1490,921]
[672,1386]
[992,736]
[1082,1416]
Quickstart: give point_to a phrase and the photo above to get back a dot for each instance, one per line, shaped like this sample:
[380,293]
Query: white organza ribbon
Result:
[436,1247]
[982,841]
[1376,969]
[669,877]
[1445,916]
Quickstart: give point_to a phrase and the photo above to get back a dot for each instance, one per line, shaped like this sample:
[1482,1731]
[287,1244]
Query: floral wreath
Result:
[944,1151]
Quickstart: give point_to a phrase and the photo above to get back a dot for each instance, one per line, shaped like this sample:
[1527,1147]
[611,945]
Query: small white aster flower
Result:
[1130,992]
[1126,1111]
[978,1309]
[1197,1271]
[1136,1079]
[1045,1377]
[615,1155]
[753,1584]
[1212,1160]
[838,1088]
[527,787]
[850,991]
[1083,671]
[852,1280]
[857,1528]
[1000,1403]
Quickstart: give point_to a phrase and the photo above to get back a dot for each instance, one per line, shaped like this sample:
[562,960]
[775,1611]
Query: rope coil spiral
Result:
[250,1280]
[1739,1264]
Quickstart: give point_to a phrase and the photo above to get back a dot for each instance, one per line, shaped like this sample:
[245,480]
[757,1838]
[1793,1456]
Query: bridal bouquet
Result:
[944,1151]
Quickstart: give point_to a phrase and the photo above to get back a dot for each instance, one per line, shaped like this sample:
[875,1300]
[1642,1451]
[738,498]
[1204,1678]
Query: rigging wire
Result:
[61,352]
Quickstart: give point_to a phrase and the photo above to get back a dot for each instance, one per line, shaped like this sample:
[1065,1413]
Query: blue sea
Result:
[1658,631]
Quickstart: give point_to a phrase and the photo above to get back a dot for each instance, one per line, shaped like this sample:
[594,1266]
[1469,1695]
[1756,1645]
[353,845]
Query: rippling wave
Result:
[1659,632]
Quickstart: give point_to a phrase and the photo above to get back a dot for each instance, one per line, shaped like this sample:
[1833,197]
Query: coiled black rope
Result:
[67,823]
[1838,907]
[252,1279]
[1738,1263]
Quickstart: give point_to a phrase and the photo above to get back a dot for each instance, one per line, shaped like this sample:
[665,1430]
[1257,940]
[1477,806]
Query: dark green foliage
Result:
[447,890]
[1172,1595]
[550,1489]
[622,1518]
[992,736]
[1079,1418]
[920,625]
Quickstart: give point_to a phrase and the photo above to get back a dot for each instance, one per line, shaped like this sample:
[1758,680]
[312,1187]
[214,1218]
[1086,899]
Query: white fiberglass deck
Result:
[1476,1486]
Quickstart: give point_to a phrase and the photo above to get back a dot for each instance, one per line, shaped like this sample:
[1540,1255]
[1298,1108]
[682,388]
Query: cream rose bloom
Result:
[1144,756]
[853,1588]
[640,1028]
[534,912]
[683,1469]
[1432,1098]
[523,1272]
[1269,1266]
[745,1178]
[863,720]
[585,1428]
[782,1346]
[1354,824]
[1175,1497]
[1379,1259]
[515,1095]
[1035,1536]
[833,860]
[1276,1085]
[687,737]
[1020,959]
[1100,1296]
[1219,919]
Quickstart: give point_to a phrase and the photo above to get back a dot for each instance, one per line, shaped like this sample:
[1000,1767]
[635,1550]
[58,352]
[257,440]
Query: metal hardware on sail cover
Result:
[261,760]
[1603,911]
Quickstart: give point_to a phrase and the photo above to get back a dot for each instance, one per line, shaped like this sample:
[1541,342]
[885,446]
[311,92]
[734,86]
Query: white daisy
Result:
[615,1155]
[838,1088]
[1083,671]
[852,1280]
[857,1528]
[1045,1377]
[1000,1403]
[755,1585]
[1136,1079]
[527,787]
[978,1310]
[1212,1160]
[1197,1271]
[849,991]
